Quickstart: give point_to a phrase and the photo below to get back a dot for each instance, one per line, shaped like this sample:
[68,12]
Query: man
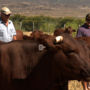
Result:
[84,31]
[7,29]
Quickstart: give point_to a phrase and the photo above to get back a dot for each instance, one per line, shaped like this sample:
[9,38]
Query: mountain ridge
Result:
[56,8]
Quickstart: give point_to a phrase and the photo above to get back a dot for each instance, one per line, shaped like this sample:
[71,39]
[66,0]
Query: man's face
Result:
[5,17]
[88,23]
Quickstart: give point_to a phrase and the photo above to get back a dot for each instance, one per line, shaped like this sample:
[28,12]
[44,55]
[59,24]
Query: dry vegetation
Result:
[75,85]
[47,9]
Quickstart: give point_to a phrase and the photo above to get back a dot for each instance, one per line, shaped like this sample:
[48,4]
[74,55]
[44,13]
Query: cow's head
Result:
[72,58]
[35,35]
[67,30]
[58,31]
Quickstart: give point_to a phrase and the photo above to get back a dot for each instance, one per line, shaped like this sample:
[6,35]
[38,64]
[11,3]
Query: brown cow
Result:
[35,36]
[32,67]
[80,39]
[19,35]
[68,30]
[85,40]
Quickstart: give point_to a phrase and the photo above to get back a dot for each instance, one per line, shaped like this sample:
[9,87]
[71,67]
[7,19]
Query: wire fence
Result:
[28,25]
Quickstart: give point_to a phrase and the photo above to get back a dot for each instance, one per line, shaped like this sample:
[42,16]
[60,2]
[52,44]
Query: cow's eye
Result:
[70,52]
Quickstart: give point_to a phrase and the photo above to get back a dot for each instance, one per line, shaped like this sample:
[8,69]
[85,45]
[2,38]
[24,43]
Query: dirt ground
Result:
[75,85]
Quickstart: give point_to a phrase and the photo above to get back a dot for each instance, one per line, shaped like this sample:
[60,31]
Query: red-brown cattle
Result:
[59,31]
[39,65]
[87,41]
[38,34]
[19,35]
[34,35]
[84,39]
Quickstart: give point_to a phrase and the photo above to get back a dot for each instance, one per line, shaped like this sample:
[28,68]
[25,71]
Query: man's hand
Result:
[14,38]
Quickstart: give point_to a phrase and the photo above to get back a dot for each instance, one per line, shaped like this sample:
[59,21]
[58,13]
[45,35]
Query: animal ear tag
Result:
[59,39]
[41,47]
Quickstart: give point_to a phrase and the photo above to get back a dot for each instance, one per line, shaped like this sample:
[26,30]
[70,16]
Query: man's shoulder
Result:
[83,27]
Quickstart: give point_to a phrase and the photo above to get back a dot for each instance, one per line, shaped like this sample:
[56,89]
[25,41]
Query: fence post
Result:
[20,25]
[64,26]
[48,27]
[33,25]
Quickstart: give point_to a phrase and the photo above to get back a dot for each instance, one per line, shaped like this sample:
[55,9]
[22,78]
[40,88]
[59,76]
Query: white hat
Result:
[5,10]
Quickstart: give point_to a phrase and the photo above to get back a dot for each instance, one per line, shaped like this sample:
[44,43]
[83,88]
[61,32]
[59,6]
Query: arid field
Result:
[75,85]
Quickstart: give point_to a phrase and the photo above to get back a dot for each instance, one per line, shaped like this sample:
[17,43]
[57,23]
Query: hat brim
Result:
[6,13]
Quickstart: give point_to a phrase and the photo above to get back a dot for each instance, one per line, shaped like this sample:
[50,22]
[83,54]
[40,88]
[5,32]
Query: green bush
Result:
[46,24]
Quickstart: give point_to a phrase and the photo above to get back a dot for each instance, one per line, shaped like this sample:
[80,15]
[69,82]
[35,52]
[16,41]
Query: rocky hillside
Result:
[55,8]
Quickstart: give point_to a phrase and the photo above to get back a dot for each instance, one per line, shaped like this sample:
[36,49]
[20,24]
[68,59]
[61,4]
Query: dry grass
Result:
[75,85]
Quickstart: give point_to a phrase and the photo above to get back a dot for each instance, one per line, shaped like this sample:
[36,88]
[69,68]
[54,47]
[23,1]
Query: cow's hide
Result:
[19,35]
[42,64]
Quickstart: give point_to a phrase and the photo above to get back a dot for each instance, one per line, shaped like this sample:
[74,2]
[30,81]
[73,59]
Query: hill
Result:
[55,8]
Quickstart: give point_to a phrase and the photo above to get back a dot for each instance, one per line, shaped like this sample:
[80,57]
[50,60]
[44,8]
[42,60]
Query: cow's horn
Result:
[59,39]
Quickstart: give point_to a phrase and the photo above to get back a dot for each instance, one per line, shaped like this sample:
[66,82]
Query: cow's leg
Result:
[84,85]
[88,85]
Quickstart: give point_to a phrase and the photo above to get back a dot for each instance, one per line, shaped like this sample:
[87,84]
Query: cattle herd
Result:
[44,62]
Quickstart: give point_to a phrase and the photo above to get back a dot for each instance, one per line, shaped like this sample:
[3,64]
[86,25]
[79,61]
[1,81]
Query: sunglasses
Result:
[6,15]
